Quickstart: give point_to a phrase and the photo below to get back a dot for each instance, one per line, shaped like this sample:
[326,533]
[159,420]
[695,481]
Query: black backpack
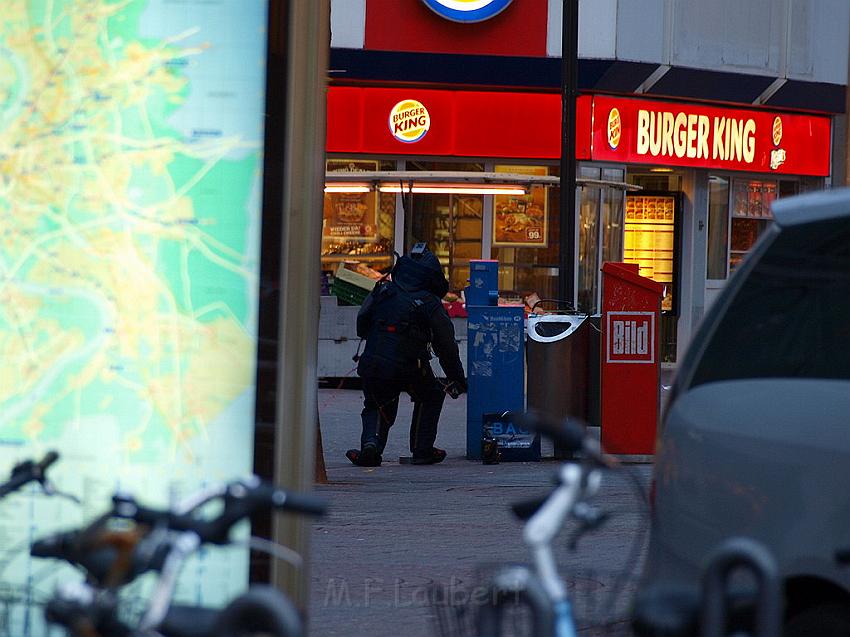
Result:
[399,334]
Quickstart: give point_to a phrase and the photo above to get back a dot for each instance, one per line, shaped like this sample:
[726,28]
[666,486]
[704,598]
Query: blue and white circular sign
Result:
[467,10]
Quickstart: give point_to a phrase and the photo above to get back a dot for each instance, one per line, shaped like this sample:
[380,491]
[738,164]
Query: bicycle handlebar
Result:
[109,558]
[571,434]
[28,471]
[241,500]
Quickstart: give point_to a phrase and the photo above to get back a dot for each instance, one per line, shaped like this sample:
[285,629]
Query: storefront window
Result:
[358,227]
[525,237]
[612,218]
[652,216]
[750,217]
[600,233]
[718,227]
[588,249]
[451,224]
[732,233]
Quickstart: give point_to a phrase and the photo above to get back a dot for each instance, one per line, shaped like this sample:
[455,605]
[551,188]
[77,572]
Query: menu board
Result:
[650,239]
[521,220]
[351,215]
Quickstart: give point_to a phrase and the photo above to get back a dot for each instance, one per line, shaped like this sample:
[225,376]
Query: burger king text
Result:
[664,133]
[411,118]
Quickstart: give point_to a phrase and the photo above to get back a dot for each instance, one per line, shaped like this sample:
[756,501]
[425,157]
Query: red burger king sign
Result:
[409,121]
[615,128]
[643,131]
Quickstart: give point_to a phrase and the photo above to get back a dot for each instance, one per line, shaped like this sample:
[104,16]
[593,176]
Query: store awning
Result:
[460,182]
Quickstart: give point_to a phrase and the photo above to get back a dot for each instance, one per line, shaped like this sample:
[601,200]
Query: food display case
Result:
[751,215]
[651,240]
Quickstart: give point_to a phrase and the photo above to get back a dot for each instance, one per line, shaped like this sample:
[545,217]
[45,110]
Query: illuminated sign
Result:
[669,134]
[777,130]
[409,121]
[699,136]
[777,155]
[467,10]
[615,128]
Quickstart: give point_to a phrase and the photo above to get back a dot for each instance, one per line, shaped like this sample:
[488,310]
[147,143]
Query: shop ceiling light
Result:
[350,188]
[436,189]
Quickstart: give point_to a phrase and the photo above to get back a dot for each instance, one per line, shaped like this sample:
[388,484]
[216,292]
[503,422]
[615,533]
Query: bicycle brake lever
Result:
[50,489]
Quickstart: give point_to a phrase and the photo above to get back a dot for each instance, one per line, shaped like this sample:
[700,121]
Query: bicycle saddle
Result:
[525,509]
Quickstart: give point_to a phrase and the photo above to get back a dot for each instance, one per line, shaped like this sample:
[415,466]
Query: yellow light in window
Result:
[347,188]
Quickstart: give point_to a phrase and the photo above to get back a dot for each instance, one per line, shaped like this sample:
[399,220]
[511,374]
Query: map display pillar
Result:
[131,172]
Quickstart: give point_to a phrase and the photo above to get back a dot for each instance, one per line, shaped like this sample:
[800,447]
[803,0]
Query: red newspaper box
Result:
[630,378]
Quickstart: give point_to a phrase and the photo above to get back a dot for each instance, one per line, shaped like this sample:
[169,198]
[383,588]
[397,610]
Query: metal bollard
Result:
[741,554]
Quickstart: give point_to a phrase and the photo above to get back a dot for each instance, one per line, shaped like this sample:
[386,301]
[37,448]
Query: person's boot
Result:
[368,456]
[435,456]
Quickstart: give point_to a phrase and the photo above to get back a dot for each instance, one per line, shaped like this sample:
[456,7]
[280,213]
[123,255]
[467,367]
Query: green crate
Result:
[348,293]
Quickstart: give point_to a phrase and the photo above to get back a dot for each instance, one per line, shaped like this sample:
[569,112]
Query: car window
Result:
[791,316]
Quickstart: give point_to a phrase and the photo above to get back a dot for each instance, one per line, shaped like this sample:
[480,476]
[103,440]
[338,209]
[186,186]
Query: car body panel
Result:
[727,466]
[756,435]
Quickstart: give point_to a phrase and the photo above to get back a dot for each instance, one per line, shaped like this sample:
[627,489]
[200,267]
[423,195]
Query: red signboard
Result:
[460,123]
[697,136]
[409,25]
[521,125]
[631,311]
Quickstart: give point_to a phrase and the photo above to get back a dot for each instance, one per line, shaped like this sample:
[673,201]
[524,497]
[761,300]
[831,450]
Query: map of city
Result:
[131,145]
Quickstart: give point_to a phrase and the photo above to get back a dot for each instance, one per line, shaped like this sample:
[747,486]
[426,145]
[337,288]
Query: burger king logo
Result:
[467,10]
[615,128]
[409,121]
[777,131]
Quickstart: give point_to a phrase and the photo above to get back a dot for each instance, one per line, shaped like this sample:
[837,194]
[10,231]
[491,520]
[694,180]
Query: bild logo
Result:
[467,10]
[631,337]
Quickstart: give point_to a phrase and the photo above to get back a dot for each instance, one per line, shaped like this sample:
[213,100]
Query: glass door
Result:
[467,220]
[651,238]
[452,226]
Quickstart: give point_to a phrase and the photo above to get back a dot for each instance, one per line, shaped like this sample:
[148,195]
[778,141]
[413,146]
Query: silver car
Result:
[756,436]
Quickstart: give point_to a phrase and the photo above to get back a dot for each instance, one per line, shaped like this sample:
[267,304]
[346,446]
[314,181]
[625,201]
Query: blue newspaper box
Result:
[495,368]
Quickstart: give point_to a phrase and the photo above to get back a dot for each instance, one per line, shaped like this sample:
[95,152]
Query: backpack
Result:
[398,335]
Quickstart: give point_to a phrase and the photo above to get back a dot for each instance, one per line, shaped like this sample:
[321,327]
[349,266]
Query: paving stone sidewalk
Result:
[397,531]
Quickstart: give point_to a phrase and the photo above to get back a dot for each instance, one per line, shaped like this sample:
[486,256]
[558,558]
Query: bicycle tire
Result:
[519,584]
[260,610]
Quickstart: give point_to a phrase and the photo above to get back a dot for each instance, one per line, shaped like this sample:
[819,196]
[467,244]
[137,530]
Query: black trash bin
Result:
[558,356]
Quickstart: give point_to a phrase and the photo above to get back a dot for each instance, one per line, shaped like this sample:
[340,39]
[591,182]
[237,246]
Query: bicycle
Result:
[30,471]
[539,587]
[160,541]
[13,596]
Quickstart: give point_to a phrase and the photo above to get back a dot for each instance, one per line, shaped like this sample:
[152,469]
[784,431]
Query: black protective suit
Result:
[400,319]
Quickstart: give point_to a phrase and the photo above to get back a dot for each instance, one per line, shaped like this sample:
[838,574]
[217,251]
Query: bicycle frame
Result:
[182,544]
[541,587]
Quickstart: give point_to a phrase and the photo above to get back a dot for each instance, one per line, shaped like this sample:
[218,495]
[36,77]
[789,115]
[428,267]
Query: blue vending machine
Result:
[496,368]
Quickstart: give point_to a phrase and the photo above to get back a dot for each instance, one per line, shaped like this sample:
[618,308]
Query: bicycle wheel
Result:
[516,586]
[262,610]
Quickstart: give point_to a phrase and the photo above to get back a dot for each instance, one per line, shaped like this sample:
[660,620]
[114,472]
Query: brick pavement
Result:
[397,530]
